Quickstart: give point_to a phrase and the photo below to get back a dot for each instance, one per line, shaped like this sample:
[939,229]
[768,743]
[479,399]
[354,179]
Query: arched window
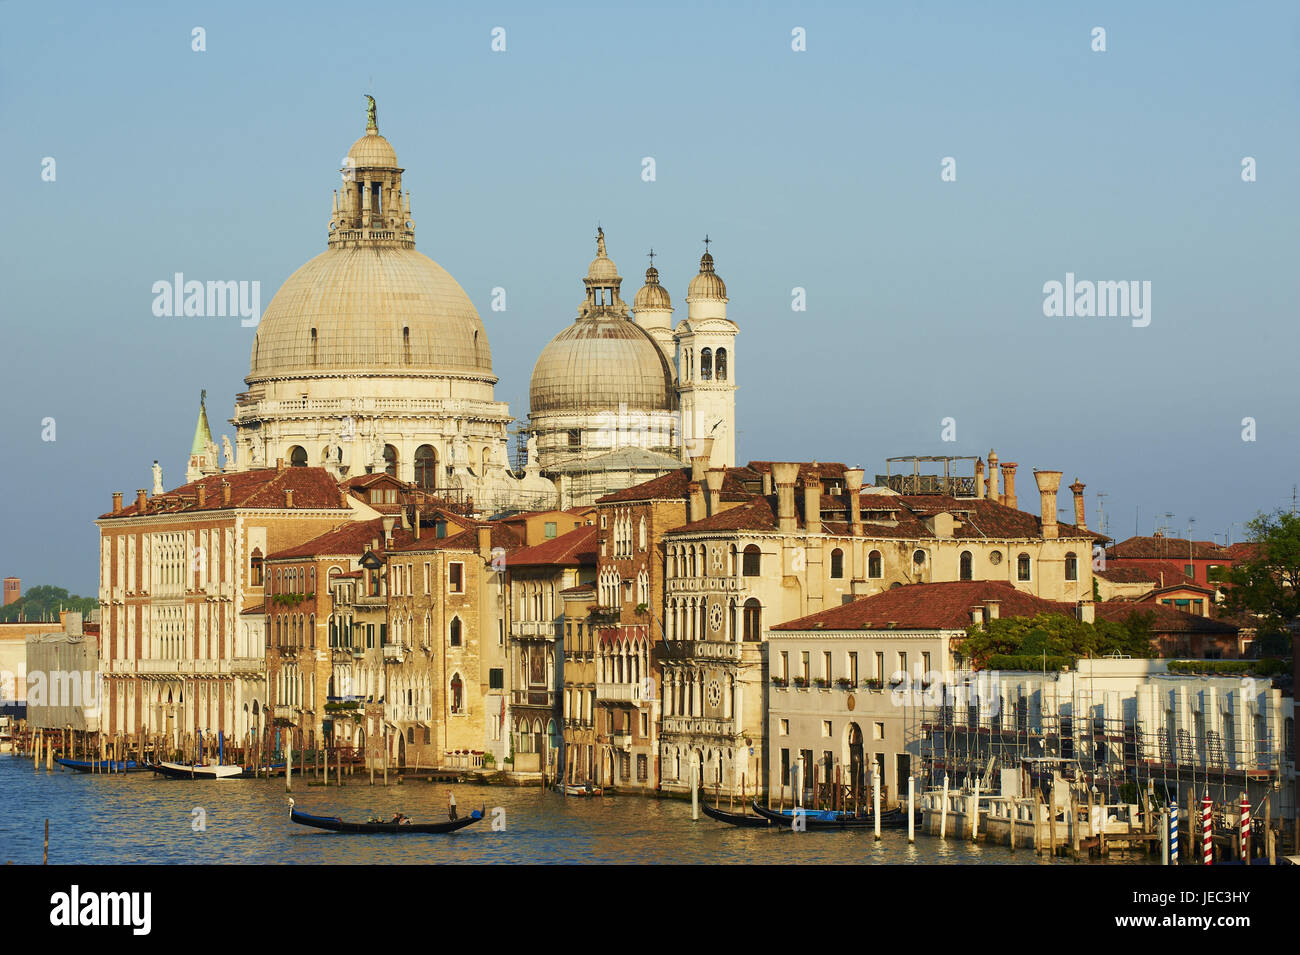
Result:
[1022,567]
[487,459]
[390,460]
[255,567]
[455,632]
[753,620]
[875,565]
[457,694]
[406,344]
[837,563]
[641,534]
[706,364]
[752,562]
[1071,566]
[720,365]
[298,456]
[426,467]
[966,568]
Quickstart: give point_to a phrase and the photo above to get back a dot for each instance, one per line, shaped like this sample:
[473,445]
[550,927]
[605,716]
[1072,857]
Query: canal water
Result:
[137,818]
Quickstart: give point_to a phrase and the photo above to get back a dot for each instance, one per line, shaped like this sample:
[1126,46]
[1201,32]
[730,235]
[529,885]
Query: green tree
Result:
[1056,635]
[43,602]
[1268,584]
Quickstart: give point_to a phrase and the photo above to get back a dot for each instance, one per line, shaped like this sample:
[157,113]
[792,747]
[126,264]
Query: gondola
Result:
[745,820]
[187,771]
[832,819]
[100,765]
[580,791]
[335,824]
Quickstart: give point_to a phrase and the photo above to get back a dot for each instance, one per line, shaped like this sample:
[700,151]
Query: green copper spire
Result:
[202,433]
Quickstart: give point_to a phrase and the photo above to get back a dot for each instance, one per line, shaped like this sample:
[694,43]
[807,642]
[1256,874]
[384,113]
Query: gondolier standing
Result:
[451,805]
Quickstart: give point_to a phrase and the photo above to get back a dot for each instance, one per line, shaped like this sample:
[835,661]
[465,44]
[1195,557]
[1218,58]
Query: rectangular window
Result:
[805,662]
[642,768]
[783,728]
[383,634]
[645,725]
[501,633]
[785,767]
[826,728]
[925,663]
[826,665]
[496,678]
[626,761]
[902,662]
[370,636]
[456,577]
[880,666]
[427,576]
[853,667]
[878,731]
[550,529]
[785,665]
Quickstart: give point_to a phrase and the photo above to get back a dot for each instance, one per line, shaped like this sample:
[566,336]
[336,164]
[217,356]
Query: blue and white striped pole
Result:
[1173,835]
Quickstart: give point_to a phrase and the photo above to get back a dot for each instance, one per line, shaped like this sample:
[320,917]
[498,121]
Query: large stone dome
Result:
[367,309]
[598,363]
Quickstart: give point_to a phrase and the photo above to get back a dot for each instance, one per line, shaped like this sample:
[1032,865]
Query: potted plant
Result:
[820,682]
[844,683]
[801,682]
[778,681]
[874,684]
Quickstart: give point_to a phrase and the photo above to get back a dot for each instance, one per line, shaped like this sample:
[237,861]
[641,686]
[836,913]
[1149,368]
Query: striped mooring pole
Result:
[1245,828]
[1207,829]
[1173,835]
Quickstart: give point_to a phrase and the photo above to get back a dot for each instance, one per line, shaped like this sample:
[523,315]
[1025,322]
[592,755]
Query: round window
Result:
[918,557]
[995,557]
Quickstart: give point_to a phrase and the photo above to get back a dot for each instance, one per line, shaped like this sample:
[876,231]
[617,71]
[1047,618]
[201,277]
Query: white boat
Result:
[187,771]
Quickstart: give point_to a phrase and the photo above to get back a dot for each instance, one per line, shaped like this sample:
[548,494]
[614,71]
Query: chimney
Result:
[1087,611]
[700,459]
[485,541]
[993,476]
[387,524]
[714,479]
[1048,483]
[1009,482]
[117,502]
[140,505]
[225,493]
[979,479]
[416,528]
[343,498]
[288,497]
[784,476]
[853,486]
[992,608]
[694,502]
[812,502]
[1077,489]
[374,545]
[279,464]
[977,614]
[203,495]
[767,483]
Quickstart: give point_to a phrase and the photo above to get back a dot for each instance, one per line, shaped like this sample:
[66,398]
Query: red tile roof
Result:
[580,589]
[673,486]
[1157,574]
[574,549]
[1167,548]
[313,488]
[351,539]
[1165,619]
[501,536]
[941,606]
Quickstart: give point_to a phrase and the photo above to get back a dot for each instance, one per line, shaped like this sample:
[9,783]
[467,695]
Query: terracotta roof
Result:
[256,609]
[826,469]
[579,589]
[1165,619]
[573,549]
[1167,548]
[351,539]
[501,536]
[313,488]
[1242,550]
[673,485]
[941,606]
[1157,574]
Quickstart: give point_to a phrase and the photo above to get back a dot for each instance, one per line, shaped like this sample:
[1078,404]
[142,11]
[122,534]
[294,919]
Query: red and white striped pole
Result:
[1245,828]
[1207,830]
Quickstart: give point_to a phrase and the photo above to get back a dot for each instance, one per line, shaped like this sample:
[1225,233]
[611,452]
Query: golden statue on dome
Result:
[371,111]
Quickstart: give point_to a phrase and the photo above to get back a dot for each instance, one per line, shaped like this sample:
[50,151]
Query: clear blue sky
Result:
[818,169]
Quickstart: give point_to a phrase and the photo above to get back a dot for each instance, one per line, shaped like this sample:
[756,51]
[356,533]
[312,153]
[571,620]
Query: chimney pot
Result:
[1009,483]
[694,502]
[416,528]
[485,541]
[225,493]
[979,479]
[140,501]
[853,488]
[783,476]
[279,464]
[203,495]
[117,502]
[388,523]
[288,497]
[343,498]
[812,502]
[714,478]
[1077,489]
[1087,611]
[1048,484]
[993,476]
[992,608]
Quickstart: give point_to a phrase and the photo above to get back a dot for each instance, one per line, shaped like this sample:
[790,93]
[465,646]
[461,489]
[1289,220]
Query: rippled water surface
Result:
[138,818]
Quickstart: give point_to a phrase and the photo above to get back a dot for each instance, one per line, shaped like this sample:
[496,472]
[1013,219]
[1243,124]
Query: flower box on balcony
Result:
[819,683]
[874,685]
[778,681]
[844,683]
[801,682]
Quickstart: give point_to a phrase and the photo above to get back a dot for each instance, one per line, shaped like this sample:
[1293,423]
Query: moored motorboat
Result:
[572,790]
[100,765]
[194,771]
[335,824]
[745,820]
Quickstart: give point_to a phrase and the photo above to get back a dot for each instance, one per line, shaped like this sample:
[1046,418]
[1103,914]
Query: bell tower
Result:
[706,366]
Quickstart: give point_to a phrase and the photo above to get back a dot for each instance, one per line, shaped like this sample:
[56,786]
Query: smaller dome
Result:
[602,269]
[708,284]
[372,151]
[652,294]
